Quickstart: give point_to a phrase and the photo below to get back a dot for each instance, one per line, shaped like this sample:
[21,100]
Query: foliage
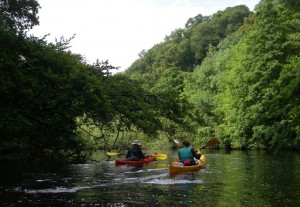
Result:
[51,99]
[185,48]
[20,15]
[169,66]
[255,116]
[232,76]
[241,75]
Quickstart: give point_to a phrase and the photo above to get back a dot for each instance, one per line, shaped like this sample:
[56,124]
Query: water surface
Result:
[233,178]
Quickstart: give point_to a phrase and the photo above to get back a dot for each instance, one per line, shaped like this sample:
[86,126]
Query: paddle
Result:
[158,156]
[112,153]
[176,142]
[210,143]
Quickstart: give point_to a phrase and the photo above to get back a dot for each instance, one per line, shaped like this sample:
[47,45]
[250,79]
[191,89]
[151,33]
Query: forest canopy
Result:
[238,70]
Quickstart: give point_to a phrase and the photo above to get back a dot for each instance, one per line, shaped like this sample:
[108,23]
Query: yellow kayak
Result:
[175,167]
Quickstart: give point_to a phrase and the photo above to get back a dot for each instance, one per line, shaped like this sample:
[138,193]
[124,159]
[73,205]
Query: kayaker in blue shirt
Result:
[187,154]
[135,152]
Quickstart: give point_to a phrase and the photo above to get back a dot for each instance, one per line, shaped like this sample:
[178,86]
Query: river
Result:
[230,178]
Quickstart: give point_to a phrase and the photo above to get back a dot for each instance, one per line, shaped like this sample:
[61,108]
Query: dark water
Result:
[230,179]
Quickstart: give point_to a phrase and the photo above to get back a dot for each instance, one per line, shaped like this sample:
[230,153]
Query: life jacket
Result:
[135,153]
[185,153]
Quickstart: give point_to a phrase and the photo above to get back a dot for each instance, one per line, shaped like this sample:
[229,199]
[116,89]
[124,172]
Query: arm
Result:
[195,154]
[141,154]
[128,153]
[180,159]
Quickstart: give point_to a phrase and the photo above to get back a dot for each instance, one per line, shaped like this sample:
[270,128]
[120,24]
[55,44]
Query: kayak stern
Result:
[174,169]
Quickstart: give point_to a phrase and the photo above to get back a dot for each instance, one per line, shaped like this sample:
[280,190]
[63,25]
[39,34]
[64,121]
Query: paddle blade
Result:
[212,142]
[112,153]
[161,156]
[176,142]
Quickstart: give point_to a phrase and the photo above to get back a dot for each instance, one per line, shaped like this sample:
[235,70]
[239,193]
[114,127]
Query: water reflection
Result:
[229,179]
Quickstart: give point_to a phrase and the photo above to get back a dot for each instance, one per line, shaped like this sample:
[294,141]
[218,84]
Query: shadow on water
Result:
[229,179]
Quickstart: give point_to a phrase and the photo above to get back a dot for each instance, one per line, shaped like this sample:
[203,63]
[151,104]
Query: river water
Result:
[235,178]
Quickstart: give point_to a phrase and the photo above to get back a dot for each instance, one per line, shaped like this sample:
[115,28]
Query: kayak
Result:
[151,158]
[176,167]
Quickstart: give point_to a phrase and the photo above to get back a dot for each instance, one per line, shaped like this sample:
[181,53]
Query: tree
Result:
[212,32]
[20,15]
[196,20]
[258,60]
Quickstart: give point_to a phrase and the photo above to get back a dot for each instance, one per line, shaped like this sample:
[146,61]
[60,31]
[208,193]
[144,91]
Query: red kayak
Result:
[151,158]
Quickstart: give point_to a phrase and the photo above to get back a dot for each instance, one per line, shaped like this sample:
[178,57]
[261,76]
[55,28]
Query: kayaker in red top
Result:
[187,154]
[135,152]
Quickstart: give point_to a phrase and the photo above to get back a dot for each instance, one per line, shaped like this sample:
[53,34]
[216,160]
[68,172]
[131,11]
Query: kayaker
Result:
[187,154]
[135,152]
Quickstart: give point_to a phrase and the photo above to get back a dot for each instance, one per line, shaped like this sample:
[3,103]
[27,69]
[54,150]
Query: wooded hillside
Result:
[238,70]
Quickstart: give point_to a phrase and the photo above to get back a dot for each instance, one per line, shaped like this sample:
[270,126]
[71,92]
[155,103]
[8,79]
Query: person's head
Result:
[186,143]
[136,143]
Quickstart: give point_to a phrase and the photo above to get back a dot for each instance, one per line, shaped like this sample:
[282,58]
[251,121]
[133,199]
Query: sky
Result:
[118,30]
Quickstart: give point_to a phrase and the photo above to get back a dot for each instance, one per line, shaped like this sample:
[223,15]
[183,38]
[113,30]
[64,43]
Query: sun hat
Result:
[136,142]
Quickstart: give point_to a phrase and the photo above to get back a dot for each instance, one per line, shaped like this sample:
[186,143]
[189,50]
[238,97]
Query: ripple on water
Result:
[138,171]
[173,181]
[53,190]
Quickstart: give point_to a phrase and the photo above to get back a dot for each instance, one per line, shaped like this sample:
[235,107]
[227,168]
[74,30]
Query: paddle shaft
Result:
[159,156]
